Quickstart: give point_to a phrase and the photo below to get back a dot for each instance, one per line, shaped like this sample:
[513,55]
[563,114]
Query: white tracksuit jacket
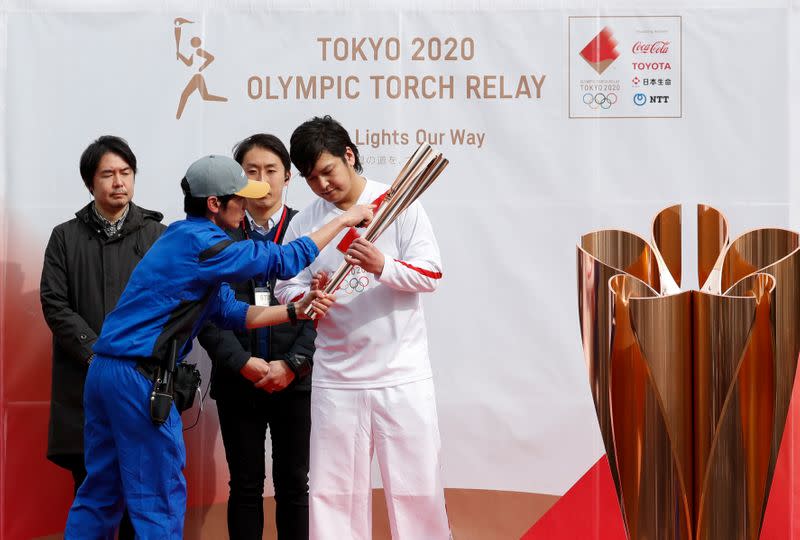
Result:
[374,335]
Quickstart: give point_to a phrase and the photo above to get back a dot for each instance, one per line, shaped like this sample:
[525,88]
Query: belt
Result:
[147,367]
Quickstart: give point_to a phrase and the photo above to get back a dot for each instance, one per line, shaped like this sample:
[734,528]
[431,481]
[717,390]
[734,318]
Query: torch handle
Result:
[333,283]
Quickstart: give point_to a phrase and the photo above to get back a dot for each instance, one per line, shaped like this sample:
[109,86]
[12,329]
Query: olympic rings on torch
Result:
[355,284]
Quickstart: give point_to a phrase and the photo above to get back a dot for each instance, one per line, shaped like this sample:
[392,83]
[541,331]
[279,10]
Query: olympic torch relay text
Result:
[407,87]
[439,51]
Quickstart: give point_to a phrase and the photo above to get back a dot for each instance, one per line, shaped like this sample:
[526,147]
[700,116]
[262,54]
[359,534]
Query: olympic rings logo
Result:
[599,100]
[355,284]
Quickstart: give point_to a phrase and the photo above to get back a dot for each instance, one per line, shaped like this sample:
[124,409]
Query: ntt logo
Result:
[639,99]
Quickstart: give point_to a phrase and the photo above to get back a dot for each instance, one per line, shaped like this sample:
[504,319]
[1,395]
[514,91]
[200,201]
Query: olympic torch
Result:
[420,171]
[179,22]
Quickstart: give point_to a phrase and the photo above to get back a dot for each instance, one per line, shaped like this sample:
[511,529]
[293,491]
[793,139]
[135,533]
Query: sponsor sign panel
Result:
[625,67]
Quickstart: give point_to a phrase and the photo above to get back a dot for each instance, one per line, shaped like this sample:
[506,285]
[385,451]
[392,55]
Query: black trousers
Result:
[76,466]
[244,424]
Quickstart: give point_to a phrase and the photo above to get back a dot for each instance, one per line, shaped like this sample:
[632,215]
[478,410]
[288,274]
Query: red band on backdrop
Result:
[594,498]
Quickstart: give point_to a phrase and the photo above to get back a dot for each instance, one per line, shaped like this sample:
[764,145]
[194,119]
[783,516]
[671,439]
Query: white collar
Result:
[271,222]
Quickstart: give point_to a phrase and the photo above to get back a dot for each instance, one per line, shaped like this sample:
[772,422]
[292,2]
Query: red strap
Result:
[281,224]
[278,231]
[379,201]
[427,273]
[348,238]
[352,234]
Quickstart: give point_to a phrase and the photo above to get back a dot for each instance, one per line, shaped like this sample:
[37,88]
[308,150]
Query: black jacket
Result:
[230,351]
[83,276]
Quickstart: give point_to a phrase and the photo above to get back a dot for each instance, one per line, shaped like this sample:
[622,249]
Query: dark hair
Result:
[91,157]
[265,141]
[319,135]
[197,206]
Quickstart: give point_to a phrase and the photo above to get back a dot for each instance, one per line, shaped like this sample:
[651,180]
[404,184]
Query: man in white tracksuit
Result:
[372,386]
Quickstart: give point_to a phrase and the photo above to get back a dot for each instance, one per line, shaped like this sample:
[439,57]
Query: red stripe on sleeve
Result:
[427,273]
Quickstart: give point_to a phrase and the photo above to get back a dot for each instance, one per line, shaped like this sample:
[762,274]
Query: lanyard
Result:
[278,229]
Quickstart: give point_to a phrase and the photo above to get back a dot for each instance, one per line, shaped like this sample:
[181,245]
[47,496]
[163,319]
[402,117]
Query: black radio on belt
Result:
[163,387]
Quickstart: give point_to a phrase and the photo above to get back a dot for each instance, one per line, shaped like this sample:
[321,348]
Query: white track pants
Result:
[398,423]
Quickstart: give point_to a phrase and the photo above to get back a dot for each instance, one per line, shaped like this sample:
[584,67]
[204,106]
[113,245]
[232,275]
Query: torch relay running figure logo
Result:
[197,82]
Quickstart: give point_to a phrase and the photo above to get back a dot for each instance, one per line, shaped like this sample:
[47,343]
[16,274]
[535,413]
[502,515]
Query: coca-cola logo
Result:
[657,47]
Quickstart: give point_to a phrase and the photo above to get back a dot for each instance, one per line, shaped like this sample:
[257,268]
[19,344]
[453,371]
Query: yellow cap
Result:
[254,190]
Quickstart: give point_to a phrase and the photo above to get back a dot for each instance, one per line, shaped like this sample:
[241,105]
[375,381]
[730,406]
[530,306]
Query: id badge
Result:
[262,296]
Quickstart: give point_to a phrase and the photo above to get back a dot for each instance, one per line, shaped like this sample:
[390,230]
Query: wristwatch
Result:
[292,313]
[300,364]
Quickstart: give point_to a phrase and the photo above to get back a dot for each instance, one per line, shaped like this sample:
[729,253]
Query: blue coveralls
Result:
[179,284]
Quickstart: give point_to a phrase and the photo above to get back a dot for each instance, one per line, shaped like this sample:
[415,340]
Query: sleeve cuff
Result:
[239,360]
[88,349]
[299,364]
[389,271]
[312,247]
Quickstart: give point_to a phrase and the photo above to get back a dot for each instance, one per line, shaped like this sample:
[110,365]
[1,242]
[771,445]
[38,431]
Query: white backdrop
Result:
[514,403]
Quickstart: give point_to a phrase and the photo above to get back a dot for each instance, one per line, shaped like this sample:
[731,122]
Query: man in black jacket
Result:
[261,378]
[87,264]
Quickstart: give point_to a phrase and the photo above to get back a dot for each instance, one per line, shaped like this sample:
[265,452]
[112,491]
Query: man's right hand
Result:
[359,215]
[255,369]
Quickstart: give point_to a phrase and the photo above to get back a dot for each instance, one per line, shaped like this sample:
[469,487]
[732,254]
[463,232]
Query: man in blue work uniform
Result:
[178,285]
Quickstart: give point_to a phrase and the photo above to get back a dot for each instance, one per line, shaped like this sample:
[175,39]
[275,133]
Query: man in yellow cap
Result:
[135,457]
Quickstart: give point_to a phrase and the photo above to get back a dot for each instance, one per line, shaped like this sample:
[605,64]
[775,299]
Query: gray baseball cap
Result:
[220,175]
